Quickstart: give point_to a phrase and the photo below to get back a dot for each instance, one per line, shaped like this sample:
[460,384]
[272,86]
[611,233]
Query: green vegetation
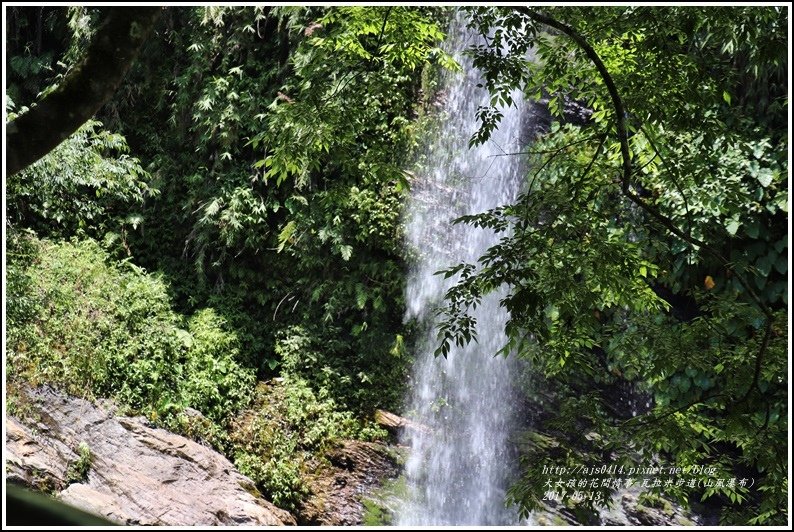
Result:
[232,215]
[95,326]
[251,162]
[281,437]
[649,251]
[381,504]
[89,184]
[78,469]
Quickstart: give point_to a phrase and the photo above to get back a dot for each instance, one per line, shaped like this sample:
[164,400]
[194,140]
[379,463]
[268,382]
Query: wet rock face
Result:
[136,474]
[355,469]
[628,508]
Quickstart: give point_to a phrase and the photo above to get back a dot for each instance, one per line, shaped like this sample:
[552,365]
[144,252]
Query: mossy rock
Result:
[380,504]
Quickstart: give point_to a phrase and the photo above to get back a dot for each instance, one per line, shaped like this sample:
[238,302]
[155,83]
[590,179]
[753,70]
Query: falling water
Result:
[459,469]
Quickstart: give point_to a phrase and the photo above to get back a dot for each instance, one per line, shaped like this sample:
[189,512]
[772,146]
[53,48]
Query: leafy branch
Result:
[627,177]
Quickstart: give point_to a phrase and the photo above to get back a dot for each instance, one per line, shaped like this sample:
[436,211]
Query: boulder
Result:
[137,474]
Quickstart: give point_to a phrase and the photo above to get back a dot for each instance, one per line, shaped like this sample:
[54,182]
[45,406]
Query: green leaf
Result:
[752,229]
[781,264]
[346,251]
[361,296]
[764,264]
[285,235]
[764,177]
[134,220]
[185,337]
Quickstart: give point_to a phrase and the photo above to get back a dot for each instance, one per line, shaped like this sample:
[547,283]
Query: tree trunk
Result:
[393,422]
[87,87]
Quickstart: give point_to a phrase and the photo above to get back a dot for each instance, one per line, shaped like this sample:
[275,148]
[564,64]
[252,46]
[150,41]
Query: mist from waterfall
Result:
[459,470]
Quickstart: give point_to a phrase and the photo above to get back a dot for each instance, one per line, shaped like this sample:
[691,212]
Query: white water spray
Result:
[458,472]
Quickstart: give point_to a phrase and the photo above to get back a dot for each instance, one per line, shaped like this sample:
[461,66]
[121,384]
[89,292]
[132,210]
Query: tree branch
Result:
[85,89]
[617,102]
[543,152]
[626,181]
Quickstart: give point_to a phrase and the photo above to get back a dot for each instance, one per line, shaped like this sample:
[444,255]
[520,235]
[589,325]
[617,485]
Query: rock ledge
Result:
[138,474]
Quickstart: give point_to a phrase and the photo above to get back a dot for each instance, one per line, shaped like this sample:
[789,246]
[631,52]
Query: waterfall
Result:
[458,471]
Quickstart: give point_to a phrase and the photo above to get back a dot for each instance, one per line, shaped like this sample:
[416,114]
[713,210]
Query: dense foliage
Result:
[233,215]
[97,327]
[279,441]
[252,158]
[649,252]
[287,206]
